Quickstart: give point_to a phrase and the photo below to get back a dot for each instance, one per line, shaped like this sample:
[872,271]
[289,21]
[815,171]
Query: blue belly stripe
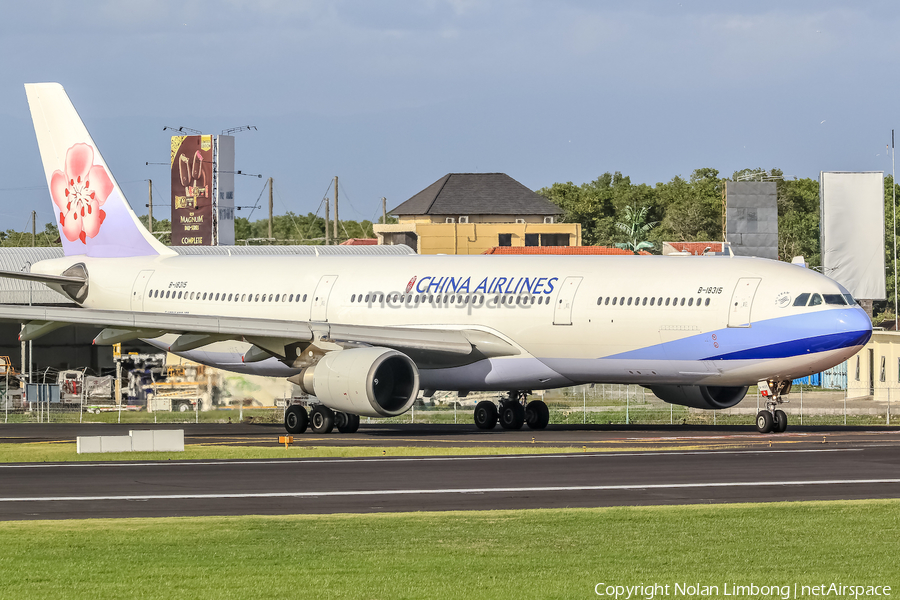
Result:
[793,335]
[822,343]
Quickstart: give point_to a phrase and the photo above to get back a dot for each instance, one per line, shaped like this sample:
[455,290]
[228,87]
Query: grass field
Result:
[66,452]
[465,555]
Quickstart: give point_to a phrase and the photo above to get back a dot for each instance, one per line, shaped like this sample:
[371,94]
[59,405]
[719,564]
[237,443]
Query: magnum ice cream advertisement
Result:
[192,193]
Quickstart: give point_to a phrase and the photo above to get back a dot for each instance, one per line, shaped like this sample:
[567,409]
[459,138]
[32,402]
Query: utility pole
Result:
[383,210]
[335,209]
[270,208]
[150,218]
[894,212]
[327,239]
[33,229]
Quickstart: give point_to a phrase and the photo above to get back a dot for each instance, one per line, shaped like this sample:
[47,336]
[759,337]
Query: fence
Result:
[635,405]
[598,404]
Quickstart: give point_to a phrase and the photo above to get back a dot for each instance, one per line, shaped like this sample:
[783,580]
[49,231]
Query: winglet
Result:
[90,209]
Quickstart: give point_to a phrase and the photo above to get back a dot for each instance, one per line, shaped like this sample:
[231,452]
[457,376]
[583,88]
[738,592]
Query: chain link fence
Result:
[599,404]
[616,404]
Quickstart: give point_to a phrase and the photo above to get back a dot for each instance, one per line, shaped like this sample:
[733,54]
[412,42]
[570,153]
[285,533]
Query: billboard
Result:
[192,190]
[751,218]
[851,207]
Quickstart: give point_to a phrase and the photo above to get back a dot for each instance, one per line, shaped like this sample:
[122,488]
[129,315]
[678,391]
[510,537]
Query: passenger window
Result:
[816,300]
[291,299]
[277,296]
[682,302]
[256,299]
[629,301]
[606,303]
[644,303]
[304,297]
[229,297]
[243,297]
[270,297]
[801,300]
[652,300]
[690,301]
[659,302]
[353,298]
[706,303]
[667,301]
[614,301]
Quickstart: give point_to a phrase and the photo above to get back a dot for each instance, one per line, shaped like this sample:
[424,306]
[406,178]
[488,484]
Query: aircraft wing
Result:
[199,330]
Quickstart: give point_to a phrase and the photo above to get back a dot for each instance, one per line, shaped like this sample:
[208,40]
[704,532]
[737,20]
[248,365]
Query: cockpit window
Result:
[849,299]
[801,300]
[835,299]
[816,300]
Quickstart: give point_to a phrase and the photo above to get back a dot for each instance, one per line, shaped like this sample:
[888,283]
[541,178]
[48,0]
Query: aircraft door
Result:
[742,302]
[139,289]
[319,307]
[562,312]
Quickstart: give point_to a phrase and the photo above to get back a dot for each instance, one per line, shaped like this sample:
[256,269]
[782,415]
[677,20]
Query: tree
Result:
[634,225]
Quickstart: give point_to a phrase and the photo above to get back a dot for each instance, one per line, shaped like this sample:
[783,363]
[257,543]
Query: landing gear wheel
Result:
[296,419]
[781,422]
[537,415]
[512,415]
[184,407]
[349,424]
[764,421]
[321,419]
[485,415]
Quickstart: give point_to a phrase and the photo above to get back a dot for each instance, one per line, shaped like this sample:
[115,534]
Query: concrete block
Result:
[87,444]
[141,441]
[168,440]
[115,443]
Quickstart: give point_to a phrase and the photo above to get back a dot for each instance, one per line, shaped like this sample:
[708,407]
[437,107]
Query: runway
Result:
[868,469]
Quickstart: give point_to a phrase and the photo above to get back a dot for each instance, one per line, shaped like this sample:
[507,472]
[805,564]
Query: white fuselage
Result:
[575,319]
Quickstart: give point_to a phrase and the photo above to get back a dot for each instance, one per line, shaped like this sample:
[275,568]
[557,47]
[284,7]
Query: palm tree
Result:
[634,226]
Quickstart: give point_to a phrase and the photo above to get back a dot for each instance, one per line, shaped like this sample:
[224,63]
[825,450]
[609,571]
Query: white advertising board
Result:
[852,231]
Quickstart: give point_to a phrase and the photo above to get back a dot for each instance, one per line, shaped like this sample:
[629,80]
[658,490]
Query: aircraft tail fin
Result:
[91,212]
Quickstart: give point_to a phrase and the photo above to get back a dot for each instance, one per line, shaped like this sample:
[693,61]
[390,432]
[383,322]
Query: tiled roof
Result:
[566,250]
[696,248]
[477,194]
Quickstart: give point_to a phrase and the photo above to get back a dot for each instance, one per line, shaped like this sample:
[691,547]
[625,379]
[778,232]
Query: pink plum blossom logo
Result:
[79,193]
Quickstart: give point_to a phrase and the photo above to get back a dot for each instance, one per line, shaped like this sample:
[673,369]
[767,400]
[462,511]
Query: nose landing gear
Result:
[773,420]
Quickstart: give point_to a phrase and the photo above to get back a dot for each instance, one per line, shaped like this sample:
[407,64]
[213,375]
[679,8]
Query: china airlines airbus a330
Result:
[364,334]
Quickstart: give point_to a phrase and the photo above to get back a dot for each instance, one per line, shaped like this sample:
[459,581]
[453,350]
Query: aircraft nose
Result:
[855,323]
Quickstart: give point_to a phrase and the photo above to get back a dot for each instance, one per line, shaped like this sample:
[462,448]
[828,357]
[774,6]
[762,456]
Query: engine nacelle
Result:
[370,382]
[700,396]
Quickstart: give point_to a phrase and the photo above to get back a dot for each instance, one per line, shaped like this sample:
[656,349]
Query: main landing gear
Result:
[320,419]
[513,412]
[772,419]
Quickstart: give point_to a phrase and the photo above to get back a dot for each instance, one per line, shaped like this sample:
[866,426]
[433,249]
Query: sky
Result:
[392,95]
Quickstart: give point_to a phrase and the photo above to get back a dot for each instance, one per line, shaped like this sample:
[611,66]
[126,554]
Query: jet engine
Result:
[370,382]
[700,396]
